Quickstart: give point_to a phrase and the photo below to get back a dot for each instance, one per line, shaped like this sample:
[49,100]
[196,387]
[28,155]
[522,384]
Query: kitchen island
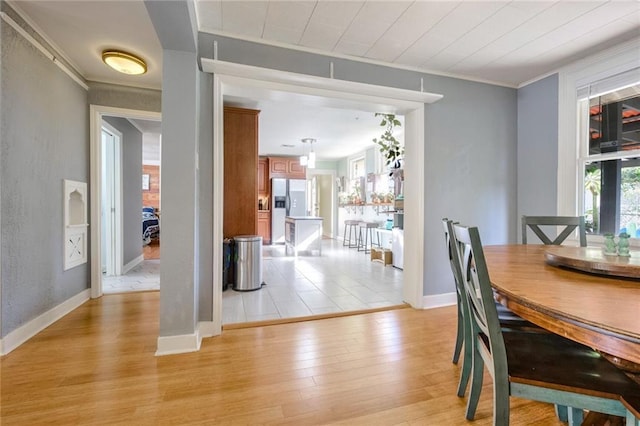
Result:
[303,234]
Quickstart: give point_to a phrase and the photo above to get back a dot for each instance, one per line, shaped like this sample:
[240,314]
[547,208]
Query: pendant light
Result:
[309,161]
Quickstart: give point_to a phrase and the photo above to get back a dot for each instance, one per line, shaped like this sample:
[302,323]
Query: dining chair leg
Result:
[467,358]
[562,413]
[632,420]
[477,371]
[575,416]
[500,401]
[459,336]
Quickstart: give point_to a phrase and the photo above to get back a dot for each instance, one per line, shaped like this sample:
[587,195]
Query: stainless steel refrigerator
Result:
[288,198]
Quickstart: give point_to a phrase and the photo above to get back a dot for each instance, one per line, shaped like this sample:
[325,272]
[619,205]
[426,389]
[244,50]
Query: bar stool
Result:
[365,230]
[351,224]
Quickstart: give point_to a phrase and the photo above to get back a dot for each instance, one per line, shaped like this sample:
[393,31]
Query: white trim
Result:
[335,55]
[42,49]
[36,28]
[95,127]
[218,202]
[135,262]
[179,344]
[26,331]
[206,329]
[570,78]
[439,300]
[336,90]
[238,74]
[413,271]
[185,343]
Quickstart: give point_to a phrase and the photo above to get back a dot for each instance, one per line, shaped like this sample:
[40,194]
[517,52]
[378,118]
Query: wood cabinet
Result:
[240,172]
[264,226]
[263,177]
[295,170]
[286,167]
[278,166]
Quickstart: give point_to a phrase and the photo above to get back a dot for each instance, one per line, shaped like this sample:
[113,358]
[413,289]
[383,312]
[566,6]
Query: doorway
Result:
[236,79]
[322,199]
[101,206]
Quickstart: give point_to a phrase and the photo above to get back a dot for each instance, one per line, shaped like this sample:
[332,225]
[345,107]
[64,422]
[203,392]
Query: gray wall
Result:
[470,137]
[43,139]
[538,148]
[205,178]
[131,188]
[178,269]
[117,96]
[470,169]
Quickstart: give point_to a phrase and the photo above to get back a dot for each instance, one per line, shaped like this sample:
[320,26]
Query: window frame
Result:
[572,78]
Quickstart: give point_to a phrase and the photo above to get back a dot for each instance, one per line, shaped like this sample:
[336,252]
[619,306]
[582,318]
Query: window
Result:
[610,161]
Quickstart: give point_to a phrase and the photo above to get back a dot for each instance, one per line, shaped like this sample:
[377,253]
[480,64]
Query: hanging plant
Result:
[389,146]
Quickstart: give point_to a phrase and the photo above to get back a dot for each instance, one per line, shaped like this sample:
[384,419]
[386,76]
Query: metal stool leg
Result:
[344,236]
[355,236]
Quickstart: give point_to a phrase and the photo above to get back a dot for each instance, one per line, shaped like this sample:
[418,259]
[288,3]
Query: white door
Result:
[111,201]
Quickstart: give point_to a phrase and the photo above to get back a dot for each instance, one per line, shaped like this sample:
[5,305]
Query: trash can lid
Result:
[247,238]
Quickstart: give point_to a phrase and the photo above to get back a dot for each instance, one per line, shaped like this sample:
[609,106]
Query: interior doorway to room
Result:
[118,137]
[111,197]
[321,198]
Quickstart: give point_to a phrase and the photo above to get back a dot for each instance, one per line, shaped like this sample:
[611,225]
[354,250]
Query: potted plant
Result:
[389,146]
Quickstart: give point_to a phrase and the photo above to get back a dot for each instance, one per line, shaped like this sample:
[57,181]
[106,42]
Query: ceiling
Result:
[508,42]
[505,42]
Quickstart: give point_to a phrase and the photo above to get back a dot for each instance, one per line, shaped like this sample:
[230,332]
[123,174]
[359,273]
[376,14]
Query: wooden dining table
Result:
[598,310]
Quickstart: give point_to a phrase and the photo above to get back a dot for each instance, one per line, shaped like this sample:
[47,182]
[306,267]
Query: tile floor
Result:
[340,280]
[144,277]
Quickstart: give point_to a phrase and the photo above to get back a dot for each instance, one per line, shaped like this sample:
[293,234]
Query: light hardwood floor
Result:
[97,366]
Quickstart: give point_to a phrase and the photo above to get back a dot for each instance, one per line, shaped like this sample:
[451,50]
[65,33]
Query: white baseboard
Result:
[25,332]
[185,343]
[180,344]
[206,329]
[439,300]
[135,262]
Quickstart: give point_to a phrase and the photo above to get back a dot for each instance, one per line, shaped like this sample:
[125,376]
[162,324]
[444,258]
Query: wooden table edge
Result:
[608,341]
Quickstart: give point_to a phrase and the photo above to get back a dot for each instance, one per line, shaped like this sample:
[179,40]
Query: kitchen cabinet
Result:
[295,170]
[240,215]
[264,226]
[286,167]
[263,178]
[278,166]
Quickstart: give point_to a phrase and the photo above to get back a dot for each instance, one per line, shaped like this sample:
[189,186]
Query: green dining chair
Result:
[544,367]
[506,317]
[570,223]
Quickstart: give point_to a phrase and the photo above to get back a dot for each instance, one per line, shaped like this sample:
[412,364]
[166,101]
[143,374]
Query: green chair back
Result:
[570,223]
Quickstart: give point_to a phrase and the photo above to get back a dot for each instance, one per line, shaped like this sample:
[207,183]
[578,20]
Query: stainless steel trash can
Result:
[248,262]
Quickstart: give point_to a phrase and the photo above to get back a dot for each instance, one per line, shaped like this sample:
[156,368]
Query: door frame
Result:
[96,112]
[334,195]
[116,252]
[248,81]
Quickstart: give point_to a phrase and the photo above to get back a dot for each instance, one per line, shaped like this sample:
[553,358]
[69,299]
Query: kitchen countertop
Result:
[303,217]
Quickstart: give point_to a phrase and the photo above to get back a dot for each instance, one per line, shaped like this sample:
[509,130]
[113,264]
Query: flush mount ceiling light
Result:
[124,62]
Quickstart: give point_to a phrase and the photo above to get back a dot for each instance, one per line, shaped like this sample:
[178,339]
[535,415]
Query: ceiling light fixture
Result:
[124,62]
